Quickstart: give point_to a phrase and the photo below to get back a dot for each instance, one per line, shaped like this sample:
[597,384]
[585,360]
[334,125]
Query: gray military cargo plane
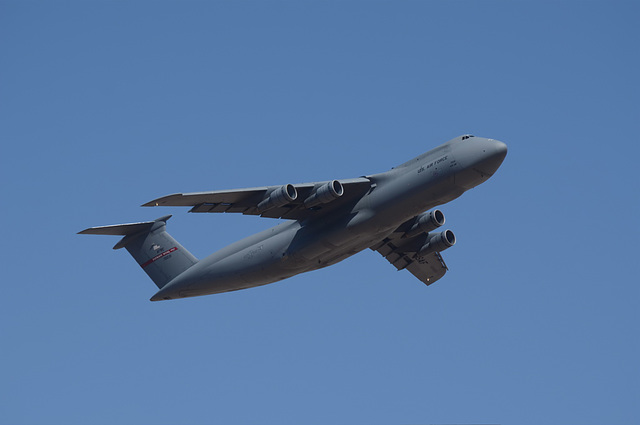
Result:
[326,223]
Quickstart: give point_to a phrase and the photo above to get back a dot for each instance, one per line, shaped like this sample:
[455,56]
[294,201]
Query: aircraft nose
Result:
[501,148]
[495,152]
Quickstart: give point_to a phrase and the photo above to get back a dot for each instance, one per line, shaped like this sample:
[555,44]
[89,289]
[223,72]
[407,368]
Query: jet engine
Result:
[425,222]
[279,197]
[325,193]
[438,242]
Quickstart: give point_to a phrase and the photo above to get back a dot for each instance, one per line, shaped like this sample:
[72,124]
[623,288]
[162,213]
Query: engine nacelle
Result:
[425,222]
[279,197]
[438,242]
[325,193]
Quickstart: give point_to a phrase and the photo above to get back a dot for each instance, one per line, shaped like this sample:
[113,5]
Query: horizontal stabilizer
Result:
[123,229]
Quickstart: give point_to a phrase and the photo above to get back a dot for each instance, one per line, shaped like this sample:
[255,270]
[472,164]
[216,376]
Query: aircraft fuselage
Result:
[292,247]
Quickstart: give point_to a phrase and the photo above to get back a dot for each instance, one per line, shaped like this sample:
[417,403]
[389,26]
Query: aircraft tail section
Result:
[155,250]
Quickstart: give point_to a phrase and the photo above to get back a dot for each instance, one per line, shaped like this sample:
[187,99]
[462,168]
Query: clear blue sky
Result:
[107,105]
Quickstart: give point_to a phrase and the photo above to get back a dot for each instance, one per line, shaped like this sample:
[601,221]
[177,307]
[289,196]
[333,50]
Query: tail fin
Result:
[159,254]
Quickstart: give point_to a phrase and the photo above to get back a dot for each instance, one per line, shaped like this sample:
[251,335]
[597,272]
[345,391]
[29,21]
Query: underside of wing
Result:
[419,254]
[428,268]
[295,202]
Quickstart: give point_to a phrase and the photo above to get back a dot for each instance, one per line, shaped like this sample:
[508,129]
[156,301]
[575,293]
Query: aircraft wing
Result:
[257,200]
[403,254]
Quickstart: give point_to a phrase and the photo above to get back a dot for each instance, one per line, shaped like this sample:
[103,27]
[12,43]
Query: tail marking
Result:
[159,256]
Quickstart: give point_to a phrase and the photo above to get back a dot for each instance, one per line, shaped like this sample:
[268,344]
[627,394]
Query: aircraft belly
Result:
[231,277]
[230,270]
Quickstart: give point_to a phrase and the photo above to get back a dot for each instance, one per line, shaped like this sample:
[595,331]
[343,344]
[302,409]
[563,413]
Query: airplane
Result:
[325,222]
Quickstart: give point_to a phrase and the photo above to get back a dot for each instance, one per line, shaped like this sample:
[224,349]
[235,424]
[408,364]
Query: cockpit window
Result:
[466,136]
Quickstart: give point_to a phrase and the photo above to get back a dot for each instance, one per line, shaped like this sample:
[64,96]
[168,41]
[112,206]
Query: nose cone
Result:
[501,149]
[494,153]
